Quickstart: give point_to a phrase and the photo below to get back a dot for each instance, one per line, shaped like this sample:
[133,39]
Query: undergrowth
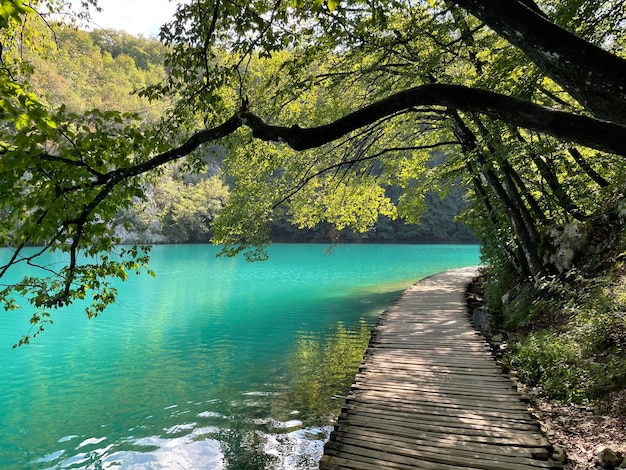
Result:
[568,333]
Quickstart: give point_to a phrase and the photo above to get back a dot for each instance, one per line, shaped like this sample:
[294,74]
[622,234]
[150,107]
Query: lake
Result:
[214,363]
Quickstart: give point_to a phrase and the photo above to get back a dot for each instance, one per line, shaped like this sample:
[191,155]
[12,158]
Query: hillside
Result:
[108,69]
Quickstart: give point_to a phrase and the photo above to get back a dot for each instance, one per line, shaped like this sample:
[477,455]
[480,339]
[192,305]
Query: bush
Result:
[582,359]
[554,363]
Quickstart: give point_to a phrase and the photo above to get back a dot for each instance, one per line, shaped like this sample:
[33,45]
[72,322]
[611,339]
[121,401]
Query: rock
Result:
[609,459]
[559,455]
[480,319]
[477,288]
[497,338]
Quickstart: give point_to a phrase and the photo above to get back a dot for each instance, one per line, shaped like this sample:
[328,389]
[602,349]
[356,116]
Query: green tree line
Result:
[107,69]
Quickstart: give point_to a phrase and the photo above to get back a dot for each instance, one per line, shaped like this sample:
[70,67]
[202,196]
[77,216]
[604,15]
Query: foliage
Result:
[570,336]
[323,108]
[103,70]
[174,210]
[581,361]
[59,193]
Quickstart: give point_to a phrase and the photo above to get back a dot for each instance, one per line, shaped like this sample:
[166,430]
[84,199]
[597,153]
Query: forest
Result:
[341,118]
[106,69]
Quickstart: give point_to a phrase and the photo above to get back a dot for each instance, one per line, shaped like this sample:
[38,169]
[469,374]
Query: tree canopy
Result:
[324,106]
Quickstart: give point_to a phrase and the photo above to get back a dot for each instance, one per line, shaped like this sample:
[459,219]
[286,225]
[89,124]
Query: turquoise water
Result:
[214,363]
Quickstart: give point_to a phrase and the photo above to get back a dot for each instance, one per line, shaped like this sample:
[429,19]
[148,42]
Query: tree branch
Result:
[593,76]
[587,131]
[195,141]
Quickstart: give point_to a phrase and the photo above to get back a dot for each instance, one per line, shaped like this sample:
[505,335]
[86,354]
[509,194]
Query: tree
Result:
[324,103]
[180,212]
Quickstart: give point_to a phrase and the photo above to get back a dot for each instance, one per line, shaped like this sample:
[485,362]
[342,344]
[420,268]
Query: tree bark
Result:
[516,260]
[533,205]
[564,199]
[586,167]
[591,75]
[524,233]
[509,175]
[527,240]
[550,177]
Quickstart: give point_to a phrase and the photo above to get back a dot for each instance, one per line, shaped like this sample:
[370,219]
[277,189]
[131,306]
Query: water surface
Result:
[214,363]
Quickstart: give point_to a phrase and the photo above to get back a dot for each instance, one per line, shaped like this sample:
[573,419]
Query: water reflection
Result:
[323,370]
[283,425]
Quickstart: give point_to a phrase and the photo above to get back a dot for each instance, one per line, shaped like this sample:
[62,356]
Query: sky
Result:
[134,16]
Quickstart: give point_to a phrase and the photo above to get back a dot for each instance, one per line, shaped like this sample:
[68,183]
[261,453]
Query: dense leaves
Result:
[323,108]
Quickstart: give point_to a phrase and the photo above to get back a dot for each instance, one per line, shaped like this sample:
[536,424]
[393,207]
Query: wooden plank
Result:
[457,394]
[402,462]
[407,458]
[399,429]
[446,443]
[433,344]
[460,371]
[440,381]
[449,456]
[434,362]
[429,416]
[485,369]
[330,461]
[450,387]
[428,394]
[405,355]
[437,409]
[442,375]
[486,435]
[436,400]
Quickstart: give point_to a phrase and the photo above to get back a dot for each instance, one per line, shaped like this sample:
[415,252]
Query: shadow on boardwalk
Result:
[430,396]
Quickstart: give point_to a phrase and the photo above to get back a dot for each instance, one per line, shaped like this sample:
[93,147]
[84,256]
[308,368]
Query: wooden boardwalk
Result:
[430,396]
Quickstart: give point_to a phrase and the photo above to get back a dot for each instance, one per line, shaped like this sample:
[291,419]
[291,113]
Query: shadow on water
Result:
[244,450]
[297,422]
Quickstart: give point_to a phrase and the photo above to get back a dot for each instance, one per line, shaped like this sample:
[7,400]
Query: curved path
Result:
[430,396]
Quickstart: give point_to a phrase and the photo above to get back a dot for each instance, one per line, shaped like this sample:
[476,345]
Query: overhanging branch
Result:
[593,76]
[584,130]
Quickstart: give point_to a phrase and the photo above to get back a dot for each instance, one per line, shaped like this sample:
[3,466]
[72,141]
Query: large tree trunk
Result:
[517,260]
[509,177]
[527,237]
[533,205]
[536,211]
[593,76]
[525,234]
